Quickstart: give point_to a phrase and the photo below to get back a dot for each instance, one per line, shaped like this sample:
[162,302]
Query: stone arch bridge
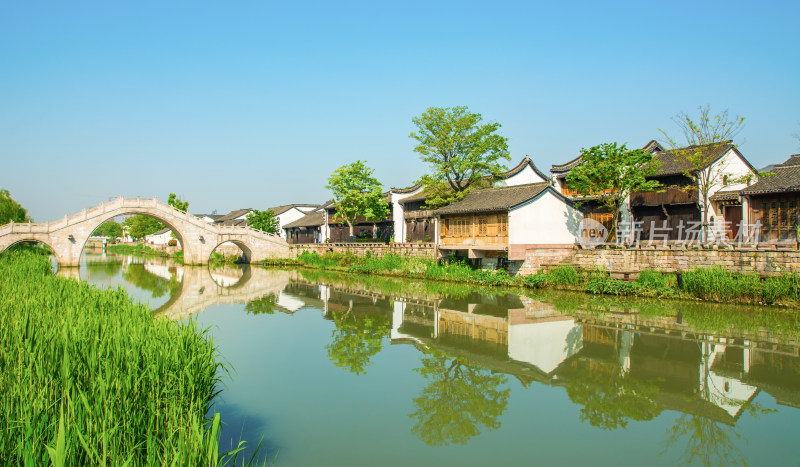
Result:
[67,237]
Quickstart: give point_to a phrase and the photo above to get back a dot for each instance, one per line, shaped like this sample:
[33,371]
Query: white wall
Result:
[546,220]
[525,176]
[287,217]
[732,166]
[160,239]
[398,214]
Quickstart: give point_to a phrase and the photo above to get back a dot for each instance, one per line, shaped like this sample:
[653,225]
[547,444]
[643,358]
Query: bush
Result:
[172,242]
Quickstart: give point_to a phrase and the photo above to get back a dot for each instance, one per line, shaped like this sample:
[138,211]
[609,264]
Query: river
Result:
[333,369]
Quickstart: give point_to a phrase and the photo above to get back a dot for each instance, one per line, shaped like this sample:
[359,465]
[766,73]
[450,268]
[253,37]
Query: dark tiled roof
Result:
[210,216]
[676,164]
[406,190]
[421,196]
[313,219]
[794,159]
[232,215]
[652,147]
[277,210]
[526,161]
[165,230]
[725,195]
[559,169]
[494,199]
[785,179]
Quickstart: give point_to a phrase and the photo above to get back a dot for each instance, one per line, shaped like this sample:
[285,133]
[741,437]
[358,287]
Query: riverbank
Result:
[707,284]
[90,377]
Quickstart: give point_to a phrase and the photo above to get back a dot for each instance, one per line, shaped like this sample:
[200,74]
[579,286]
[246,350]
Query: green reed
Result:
[88,377]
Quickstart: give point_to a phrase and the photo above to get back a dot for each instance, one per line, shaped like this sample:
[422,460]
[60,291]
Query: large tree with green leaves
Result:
[264,221]
[140,226]
[109,229]
[10,210]
[611,173]
[356,193]
[463,153]
[704,139]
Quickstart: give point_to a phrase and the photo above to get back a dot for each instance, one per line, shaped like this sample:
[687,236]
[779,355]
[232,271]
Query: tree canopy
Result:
[139,226]
[176,203]
[613,172]
[357,193]
[463,153]
[356,339]
[109,229]
[264,221]
[459,400]
[10,210]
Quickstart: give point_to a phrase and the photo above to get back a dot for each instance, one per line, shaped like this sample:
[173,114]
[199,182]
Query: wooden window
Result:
[503,224]
[482,225]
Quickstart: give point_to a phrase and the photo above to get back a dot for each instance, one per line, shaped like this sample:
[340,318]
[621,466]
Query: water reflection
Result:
[619,361]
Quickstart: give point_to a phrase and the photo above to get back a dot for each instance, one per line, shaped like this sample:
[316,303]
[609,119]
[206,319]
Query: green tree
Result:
[140,225]
[176,203]
[613,172]
[704,141]
[357,193]
[262,306]
[462,152]
[10,210]
[459,399]
[109,229]
[356,339]
[264,221]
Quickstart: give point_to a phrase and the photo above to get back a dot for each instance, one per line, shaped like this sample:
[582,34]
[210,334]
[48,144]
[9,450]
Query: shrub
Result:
[172,242]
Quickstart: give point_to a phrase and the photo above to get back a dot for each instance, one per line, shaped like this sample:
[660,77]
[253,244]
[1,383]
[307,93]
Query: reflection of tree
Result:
[262,306]
[707,441]
[357,337]
[458,400]
[137,275]
[109,268]
[610,398]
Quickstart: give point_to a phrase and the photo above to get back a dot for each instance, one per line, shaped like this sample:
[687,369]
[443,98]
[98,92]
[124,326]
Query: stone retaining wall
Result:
[420,250]
[761,261]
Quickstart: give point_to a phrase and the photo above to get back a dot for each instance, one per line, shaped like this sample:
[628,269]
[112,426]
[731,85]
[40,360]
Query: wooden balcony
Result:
[418,214]
[665,197]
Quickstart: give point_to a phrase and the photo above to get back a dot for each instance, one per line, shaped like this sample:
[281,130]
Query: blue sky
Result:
[254,104]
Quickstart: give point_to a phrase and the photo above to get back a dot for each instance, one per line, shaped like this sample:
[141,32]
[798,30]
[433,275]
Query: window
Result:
[482,225]
[503,224]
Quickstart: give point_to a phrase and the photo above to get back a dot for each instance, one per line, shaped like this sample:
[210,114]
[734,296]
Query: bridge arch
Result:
[94,224]
[247,253]
[30,240]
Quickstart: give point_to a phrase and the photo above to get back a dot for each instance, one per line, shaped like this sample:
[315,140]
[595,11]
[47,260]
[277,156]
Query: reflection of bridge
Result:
[199,290]
[68,236]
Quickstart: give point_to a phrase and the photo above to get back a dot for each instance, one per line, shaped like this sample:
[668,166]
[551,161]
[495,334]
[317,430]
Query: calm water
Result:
[342,370]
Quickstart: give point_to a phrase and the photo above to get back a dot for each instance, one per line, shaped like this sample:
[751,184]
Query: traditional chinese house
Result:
[774,201]
[307,229]
[497,225]
[415,222]
[380,231]
[676,204]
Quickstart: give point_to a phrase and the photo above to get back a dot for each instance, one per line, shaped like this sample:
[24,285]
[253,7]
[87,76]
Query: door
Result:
[733,216]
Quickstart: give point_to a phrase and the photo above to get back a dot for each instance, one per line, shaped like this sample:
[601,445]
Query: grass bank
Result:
[709,284]
[89,377]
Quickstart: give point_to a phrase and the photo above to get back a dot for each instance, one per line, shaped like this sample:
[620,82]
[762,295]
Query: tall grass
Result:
[87,377]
